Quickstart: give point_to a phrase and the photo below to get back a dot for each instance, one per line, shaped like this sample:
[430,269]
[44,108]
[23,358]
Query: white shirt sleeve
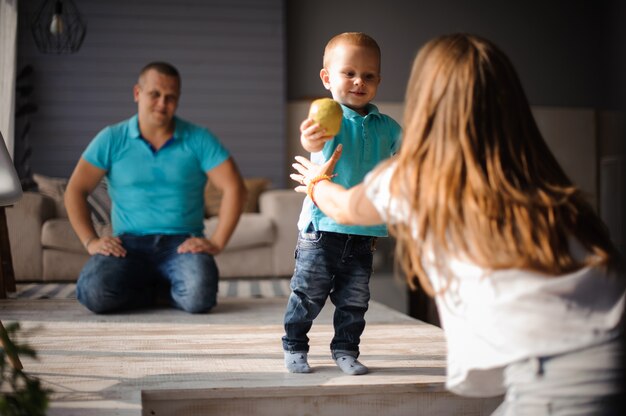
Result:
[377,189]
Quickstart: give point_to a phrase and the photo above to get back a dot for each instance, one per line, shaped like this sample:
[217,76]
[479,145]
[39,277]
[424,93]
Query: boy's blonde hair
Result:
[479,179]
[352,38]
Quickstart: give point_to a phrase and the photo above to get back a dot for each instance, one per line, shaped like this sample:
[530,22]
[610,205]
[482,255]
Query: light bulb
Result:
[56,26]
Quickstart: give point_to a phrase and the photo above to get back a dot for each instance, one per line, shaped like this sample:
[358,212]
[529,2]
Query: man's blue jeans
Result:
[110,284]
[335,265]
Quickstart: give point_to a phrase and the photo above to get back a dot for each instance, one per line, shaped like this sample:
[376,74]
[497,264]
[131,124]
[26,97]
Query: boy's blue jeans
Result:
[110,284]
[335,265]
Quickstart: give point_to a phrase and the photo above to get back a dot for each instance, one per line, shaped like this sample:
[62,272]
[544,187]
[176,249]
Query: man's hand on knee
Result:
[107,246]
[199,245]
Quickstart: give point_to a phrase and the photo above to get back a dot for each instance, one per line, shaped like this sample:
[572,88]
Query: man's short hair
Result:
[162,68]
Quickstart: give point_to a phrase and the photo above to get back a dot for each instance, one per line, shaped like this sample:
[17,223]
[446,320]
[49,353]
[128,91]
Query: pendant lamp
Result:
[58,27]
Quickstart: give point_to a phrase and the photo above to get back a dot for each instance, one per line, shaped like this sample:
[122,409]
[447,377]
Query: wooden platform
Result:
[229,362]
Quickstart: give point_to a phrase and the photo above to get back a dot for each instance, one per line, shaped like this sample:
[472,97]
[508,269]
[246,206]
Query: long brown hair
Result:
[480,181]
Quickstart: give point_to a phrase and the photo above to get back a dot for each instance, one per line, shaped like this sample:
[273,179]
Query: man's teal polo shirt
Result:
[367,140]
[156,192]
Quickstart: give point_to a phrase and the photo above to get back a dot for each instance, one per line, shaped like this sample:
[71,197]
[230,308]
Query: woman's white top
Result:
[494,318]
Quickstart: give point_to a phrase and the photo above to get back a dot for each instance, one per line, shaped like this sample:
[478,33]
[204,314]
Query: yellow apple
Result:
[328,114]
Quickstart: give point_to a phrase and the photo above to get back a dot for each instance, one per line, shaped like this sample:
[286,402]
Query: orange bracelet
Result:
[314,181]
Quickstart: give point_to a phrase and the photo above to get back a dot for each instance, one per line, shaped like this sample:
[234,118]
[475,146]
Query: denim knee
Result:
[199,298]
[102,285]
[193,279]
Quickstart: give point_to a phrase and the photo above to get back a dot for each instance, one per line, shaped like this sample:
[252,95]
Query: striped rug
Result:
[231,288]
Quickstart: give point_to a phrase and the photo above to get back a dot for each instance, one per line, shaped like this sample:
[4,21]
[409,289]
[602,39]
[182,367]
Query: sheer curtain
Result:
[8,52]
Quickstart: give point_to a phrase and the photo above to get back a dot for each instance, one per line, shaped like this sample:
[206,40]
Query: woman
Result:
[528,285]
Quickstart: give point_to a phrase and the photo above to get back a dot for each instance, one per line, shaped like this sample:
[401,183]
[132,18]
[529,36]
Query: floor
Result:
[385,288]
[229,362]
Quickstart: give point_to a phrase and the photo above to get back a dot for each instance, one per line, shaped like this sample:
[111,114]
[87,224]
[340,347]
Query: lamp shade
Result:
[58,27]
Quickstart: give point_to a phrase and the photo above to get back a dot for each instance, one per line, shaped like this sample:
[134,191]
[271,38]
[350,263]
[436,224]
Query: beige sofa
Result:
[45,248]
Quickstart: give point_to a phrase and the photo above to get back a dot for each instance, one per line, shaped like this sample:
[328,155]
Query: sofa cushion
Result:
[53,188]
[253,229]
[98,201]
[62,266]
[249,263]
[213,196]
[24,221]
[57,233]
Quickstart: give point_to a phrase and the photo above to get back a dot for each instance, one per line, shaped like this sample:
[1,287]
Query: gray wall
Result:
[564,51]
[241,60]
[230,55]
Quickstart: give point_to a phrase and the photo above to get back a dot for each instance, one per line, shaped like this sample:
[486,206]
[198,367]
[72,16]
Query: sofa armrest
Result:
[283,206]
[25,220]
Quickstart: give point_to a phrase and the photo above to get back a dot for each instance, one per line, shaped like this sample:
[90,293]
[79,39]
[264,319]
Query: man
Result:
[156,166]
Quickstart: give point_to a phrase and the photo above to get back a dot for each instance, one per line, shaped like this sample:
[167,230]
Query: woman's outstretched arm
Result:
[346,206]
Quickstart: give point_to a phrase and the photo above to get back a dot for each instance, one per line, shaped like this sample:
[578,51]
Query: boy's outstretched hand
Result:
[313,136]
[308,170]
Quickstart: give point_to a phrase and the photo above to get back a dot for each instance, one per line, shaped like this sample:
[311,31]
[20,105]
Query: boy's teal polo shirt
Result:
[367,140]
[158,192]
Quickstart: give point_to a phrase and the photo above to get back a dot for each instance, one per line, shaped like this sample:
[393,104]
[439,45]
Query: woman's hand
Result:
[308,170]
[345,206]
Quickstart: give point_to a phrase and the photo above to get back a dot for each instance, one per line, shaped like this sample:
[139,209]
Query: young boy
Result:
[332,259]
